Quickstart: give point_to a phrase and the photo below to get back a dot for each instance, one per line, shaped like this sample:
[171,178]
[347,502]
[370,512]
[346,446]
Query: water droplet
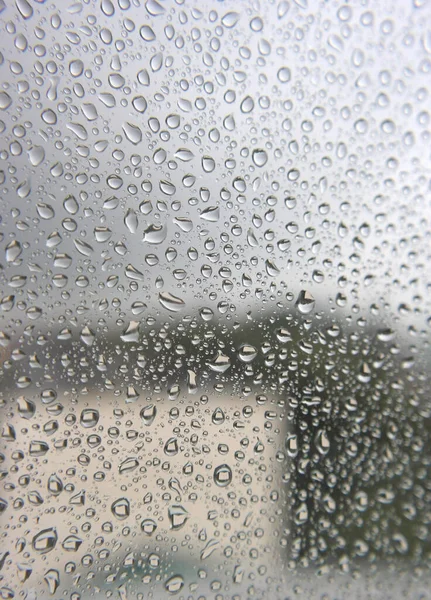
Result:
[148,414]
[271,268]
[13,251]
[36,155]
[247,105]
[143,77]
[218,416]
[186,225]
[52,579]
[260,157]
[76,67]
[223,475]
[159,156]
[220,363]
[128,465]
[155,234]
[71,205]
[148,526]
[322,442]
[171,302]
[131,221]
[45,540]
[55,485]
[178,516]
[72,543]
[121,508]
[133,133]
[184,155]
[292,445]
[211,214]
[305,302]
[210,546]
[208,164]
[171,447]
[38,448]
[230,19]
[256,24]
[114,182]
[301,514]
[89,417]
[139,104]
[116,81]
[167,188]
[174,584]
[247,353]
[284,75]
[133,273]
[147,34]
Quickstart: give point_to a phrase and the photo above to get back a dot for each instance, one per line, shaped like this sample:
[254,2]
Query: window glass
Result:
[214,275]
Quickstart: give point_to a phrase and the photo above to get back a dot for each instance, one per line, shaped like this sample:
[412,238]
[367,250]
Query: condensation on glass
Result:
[215,283]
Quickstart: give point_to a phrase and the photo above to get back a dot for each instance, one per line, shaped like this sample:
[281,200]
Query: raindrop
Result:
[284,75]
[247,105]
[121,508]
[147,34]
[171,302]
[148,526]
[5,100]
[230,19]
[305,302]
[223,475]
[247,353]
[174,584]
[45,540]
[218,416]
[148,414]
[260,157]
[89,417]
[155,234]
[131,221]
[178,516]
[139,104]
[171,447]
[132,133]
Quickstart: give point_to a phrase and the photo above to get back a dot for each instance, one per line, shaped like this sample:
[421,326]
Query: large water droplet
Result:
[305,302]
[121,508]
[45,540]
[89,417]
[171,302]
[220,363]
[148,526]
[178,516]
[247,353]
[171,447]
[148,414]
[223,475]
[155,234]
[174,584]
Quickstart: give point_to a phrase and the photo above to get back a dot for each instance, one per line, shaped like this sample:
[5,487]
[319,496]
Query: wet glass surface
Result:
[214,312]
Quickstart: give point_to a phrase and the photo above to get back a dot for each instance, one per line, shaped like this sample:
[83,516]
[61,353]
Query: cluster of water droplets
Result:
[214,333]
